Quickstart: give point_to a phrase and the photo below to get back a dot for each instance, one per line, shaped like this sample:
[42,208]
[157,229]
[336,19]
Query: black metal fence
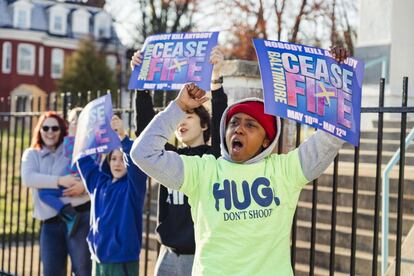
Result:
[337,223]
[330,261]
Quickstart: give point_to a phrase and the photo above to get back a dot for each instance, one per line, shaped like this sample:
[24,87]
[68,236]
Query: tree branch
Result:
[298,20]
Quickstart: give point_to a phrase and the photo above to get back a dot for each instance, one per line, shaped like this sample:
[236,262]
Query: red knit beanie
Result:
[255,109]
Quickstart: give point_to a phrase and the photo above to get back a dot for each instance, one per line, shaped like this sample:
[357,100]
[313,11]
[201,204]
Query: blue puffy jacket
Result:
[116,211]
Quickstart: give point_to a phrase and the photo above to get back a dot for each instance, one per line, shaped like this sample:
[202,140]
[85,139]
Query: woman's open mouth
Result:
[236,145]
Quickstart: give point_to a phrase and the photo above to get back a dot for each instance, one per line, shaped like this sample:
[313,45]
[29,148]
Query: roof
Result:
[40,16]
[5,18]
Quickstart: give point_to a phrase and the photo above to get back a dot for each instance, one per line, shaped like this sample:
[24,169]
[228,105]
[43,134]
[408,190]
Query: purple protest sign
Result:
[94,133]
[171,60]
[307,85]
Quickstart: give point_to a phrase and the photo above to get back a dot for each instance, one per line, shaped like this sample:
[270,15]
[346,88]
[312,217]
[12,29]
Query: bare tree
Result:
[279,9]
[298,20]
[240,45]
[167,16]
[304,13]
[348,34]
[149,17]
[334,31]
[311,22]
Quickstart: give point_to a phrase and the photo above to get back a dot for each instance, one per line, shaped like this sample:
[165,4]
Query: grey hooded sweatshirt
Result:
[148,152]
[242,212]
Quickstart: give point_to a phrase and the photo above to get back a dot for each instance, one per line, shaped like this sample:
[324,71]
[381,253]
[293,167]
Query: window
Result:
[111,62]
[80,21]
[57,63]
[58,23]
[22,14]
[25,59]
[58,19]
[22,19]
[101,31]
[41,60]
[7,58]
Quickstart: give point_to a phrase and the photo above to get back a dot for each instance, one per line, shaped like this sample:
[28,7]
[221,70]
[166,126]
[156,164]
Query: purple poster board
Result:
[307,85]
[171,60]
[94,133]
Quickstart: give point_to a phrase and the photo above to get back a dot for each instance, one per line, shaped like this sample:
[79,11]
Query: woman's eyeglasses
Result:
[53,128]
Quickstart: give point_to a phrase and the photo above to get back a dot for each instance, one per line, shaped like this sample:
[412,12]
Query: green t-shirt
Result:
[243,213]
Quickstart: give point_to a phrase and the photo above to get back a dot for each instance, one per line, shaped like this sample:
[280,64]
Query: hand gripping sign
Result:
[307,85]
[171,60]
[94,133]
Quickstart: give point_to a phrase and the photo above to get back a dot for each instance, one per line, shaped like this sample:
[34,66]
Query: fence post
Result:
[401,179]
[378,178]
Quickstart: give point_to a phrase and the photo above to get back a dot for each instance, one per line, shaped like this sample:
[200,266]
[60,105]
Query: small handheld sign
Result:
[94,133]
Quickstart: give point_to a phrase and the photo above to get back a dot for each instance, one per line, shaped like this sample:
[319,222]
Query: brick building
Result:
[37,35]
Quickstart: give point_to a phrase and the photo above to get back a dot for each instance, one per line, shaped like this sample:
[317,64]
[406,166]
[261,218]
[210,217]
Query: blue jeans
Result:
[52,198]
[55,245]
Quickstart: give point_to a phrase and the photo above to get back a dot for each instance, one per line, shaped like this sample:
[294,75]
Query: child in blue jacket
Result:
[117,192]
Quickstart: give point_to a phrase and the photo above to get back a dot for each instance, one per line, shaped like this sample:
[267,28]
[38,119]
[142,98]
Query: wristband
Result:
[217,81]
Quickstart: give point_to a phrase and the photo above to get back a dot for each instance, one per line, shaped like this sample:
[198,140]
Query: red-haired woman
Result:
[43,167]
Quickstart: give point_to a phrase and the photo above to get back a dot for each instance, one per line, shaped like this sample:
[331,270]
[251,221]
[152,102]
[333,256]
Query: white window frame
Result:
[31,59]
[6,64]
[57,61]
[22,7]
[80,21]
[55,12]
[41,61]
[102,21]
